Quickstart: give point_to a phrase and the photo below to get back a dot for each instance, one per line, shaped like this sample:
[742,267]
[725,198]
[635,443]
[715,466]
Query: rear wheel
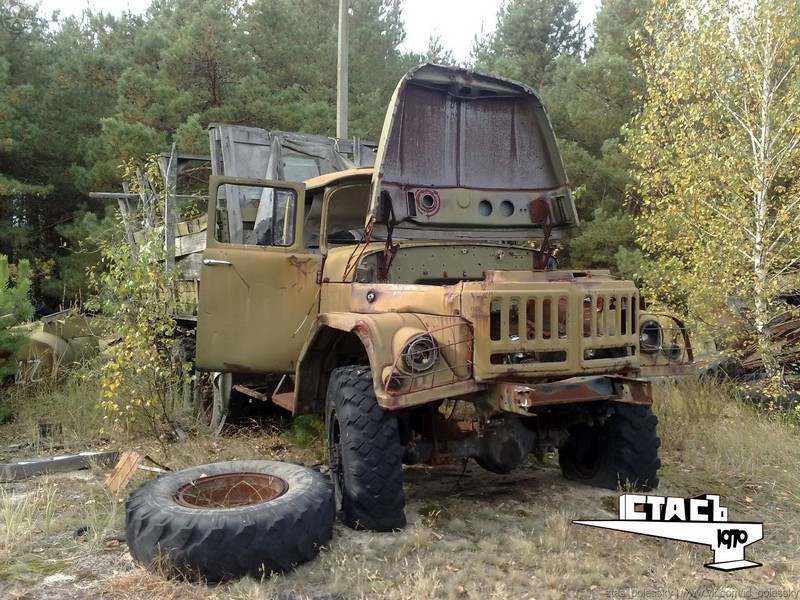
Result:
[620,452]
[364,453]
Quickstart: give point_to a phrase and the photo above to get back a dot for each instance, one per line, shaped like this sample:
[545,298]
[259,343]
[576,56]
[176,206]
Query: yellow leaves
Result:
[143,377]
[719,130]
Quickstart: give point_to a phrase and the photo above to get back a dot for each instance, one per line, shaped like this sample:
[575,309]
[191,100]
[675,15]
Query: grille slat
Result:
[576,330]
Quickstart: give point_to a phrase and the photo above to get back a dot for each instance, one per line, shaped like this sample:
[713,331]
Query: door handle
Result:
[213,262]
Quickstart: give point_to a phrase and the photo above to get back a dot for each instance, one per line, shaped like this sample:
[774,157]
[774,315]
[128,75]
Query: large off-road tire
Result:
[230,519]
[622,452]
[364,453]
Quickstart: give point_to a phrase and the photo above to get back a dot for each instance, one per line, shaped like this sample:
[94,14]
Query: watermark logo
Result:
[699,520]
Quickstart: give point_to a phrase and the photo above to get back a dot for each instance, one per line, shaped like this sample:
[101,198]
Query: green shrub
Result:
[142,380]
[15,307]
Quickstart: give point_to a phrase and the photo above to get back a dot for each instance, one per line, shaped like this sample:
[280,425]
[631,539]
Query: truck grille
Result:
[567,331]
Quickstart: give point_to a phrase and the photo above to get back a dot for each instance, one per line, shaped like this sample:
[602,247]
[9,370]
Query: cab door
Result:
[258,284]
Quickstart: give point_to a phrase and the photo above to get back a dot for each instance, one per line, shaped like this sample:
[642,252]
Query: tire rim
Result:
[231,490]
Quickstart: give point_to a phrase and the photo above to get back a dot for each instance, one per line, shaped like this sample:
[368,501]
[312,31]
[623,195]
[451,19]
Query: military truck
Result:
[418,305]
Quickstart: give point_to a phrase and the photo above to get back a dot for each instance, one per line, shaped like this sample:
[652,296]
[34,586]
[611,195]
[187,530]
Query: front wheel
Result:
[622,452]
[364,453]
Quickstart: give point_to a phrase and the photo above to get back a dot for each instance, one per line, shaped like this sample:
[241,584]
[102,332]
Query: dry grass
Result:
[69,401]
[24,516]
[471,534]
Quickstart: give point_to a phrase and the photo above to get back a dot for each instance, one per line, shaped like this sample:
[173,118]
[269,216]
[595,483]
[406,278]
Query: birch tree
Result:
[717,154]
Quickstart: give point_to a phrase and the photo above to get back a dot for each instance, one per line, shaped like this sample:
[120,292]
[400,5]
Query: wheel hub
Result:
[231,490]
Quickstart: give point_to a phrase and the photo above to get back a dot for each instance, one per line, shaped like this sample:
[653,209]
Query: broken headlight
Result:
[651,337]
[421,354]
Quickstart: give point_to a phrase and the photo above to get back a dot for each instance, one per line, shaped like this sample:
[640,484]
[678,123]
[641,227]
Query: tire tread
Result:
[373,470]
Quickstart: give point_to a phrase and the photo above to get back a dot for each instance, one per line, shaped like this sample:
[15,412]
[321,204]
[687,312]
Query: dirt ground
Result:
[70,560]
[470,534]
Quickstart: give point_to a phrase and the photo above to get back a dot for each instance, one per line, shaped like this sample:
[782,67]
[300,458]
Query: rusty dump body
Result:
[420,269]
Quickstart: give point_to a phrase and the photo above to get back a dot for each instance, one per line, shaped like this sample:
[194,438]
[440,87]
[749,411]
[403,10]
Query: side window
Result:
[299,168]
[255,216]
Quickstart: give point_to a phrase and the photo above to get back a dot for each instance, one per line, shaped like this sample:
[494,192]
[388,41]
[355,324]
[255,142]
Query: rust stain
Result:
[300,262]
[452,299]
[587,389]
[361,329]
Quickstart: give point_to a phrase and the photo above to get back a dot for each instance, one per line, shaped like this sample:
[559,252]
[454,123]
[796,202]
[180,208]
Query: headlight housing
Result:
[420,354]
[651,337]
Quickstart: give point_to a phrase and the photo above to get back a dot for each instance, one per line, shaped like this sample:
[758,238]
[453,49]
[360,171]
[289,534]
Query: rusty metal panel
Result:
[463,155]
[387,337]
[524,399]
[244,287]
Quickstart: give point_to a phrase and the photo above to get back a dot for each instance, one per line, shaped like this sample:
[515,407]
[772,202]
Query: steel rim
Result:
[231,490]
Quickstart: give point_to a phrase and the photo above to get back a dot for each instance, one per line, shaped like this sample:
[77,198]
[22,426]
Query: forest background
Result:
[81,95]
[677,122]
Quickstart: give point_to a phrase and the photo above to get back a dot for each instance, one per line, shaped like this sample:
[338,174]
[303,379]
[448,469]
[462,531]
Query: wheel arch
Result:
[325,351]
[342,339]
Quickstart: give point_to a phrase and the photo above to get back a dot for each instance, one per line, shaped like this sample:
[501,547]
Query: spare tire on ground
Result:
[723,368]
[226,520]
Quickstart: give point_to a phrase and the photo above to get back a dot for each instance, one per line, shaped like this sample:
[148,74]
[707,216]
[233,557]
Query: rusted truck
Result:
[419,307]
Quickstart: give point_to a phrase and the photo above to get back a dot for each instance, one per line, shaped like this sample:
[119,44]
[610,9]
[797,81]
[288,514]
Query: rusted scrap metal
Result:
[785,337]
[525,398]
[53,341]
[24,468]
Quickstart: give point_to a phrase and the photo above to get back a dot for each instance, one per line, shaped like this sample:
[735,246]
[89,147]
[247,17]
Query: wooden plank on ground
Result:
[124,471]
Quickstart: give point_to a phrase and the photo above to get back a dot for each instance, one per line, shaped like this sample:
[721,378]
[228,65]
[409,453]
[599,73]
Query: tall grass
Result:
[70,400]
[704,427]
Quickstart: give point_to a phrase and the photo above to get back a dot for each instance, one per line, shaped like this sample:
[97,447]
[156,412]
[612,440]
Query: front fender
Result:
[383,338]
